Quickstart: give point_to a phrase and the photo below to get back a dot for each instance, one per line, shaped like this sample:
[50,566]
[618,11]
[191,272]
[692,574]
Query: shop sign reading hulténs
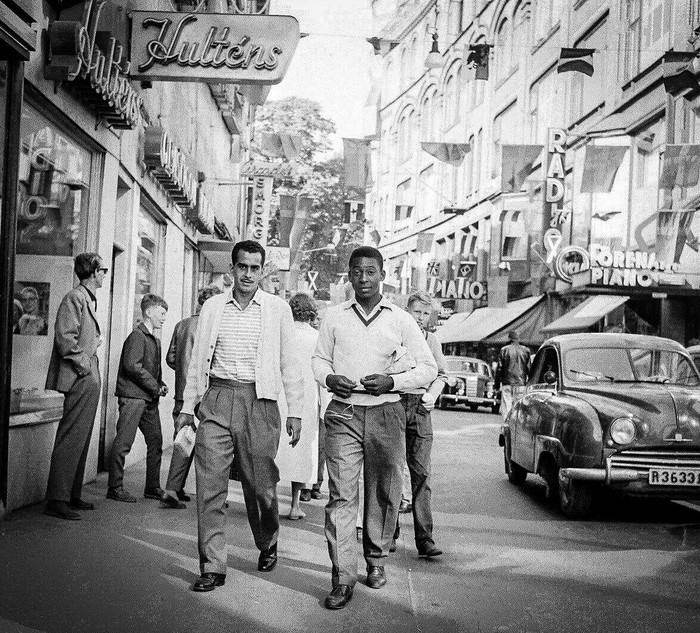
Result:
[602,266]
[90,53]
[168,166]
[212,47]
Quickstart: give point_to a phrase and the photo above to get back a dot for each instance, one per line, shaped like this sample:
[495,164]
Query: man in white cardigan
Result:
[244,354]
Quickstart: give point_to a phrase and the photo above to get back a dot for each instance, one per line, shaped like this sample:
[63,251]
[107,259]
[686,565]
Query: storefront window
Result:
[54,182]
[148,269]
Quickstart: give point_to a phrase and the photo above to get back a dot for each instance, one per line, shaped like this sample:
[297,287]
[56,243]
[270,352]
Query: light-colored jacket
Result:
[277,364]
[76,339]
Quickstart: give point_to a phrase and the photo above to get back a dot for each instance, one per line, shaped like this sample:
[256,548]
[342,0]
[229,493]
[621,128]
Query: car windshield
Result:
[619,364]
[467,365]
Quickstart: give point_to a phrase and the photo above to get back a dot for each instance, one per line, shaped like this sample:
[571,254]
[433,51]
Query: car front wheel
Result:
[516,474]
[575,497]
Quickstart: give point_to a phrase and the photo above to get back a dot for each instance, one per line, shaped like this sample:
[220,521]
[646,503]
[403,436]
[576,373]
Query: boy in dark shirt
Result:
[139,387]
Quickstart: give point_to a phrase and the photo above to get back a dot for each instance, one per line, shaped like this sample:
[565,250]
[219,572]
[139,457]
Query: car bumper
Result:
[454,399]
[632,482]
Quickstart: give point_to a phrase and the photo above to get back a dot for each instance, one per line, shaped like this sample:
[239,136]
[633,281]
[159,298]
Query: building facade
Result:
[619,222]
[146,173]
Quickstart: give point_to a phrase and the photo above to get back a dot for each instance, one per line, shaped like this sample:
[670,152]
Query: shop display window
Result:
[148,259]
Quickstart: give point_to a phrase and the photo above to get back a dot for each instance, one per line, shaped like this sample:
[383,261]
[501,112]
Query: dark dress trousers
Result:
[74,371]
[138,388]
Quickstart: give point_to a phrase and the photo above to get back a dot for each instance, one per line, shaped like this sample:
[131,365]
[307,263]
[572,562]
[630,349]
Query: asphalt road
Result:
[512,563]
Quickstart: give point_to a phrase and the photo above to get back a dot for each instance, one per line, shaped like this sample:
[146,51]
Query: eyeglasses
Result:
[103,270]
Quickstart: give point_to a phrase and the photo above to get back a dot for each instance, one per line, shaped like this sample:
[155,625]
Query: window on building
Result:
[546,106]
[503,49]
[452,97]
[505,127]
[405,137]
[404,201]
[632,40]
[478,157]
[469,168]
[149,258]
[427,118]
[427,195]
[587,93]
[547,14]
[521,25]
[513,236]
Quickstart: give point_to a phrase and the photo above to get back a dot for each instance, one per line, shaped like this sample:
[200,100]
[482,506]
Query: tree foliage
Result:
[318,177]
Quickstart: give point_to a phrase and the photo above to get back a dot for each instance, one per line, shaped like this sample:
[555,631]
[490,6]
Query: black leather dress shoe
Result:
[376,578]
[183,496]
[339,597]
[209,581]
[268,559]
[119,494]
[79,504]
[60,510]
[429,550]
[153,493]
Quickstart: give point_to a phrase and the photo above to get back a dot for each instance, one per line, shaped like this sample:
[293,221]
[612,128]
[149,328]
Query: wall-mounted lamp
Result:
[434,58]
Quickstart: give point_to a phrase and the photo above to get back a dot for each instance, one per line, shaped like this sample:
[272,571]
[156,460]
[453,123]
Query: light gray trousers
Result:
[376,437]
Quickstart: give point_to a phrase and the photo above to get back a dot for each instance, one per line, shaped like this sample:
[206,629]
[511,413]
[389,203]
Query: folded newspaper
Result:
[184,440]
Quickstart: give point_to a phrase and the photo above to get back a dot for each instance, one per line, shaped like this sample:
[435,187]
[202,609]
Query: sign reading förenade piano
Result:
[212,47]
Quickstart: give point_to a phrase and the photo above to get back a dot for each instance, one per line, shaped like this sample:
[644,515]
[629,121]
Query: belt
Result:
[230,384]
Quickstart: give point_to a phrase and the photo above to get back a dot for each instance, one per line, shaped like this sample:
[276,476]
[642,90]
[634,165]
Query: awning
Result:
[484,322]
[218,252]
[528,325]
[585,315]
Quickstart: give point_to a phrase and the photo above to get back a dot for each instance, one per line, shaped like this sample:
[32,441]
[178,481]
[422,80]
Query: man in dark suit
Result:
[178,358]
[74,371]
[139,388]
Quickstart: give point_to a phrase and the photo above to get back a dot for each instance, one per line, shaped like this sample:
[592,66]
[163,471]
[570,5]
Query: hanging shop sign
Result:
[168,166]
[602,266]
[202,215]
[212,47]
[90,54]
[260,216]
[254,168]
[554,214]
[460,288]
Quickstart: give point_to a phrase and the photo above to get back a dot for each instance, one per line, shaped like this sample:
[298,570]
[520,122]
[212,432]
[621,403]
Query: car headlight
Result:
[623,430]
[461,388]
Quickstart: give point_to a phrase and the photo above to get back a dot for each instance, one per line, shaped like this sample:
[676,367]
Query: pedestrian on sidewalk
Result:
[244,354]
[418,403]
[139,389]
[178,358]
[368,351]
[513,364]
[299,464]
[74,371]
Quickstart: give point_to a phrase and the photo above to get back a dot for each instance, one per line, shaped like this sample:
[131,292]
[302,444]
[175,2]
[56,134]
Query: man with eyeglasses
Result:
[74,371]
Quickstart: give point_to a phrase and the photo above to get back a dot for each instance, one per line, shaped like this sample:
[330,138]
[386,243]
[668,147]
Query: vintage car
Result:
[620,411]
[470,382]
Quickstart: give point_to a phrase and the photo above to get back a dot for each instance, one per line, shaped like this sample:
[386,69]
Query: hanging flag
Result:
[478,59]
[517,162]
[681,166]
[450,153]
[376,238]
[287,212]
[280,145]
[382,46]
[600,165]
[353,211]
[301,216]
[424,243]
[578,60]
[356,158]
[678,72]
[291,145]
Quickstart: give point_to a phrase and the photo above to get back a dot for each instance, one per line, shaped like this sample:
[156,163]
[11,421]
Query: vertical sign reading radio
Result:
[554,214]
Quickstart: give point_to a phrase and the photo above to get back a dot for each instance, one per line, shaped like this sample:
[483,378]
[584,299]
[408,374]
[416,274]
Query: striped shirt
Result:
[236,348]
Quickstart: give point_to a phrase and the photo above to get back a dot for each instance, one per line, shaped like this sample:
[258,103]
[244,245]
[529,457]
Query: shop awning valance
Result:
[484,322]
[585,315]
[218,252]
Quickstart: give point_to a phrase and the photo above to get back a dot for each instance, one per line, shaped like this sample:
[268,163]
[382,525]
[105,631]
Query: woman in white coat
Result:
[299,464]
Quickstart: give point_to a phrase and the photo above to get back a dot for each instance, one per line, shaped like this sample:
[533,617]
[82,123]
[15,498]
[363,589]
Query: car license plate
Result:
[674,477]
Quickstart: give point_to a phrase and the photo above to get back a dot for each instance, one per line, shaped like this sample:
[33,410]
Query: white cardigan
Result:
[277,362]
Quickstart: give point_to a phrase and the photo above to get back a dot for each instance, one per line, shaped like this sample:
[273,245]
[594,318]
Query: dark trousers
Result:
[373,436]
[137,414]
[179,462]
[321,453]
[234,423]
[419,444]
[73,437]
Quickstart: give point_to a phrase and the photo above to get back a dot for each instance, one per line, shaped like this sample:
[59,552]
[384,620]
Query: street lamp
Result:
[434,59]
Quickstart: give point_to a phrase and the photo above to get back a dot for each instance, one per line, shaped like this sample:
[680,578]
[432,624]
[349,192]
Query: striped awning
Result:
[585,315]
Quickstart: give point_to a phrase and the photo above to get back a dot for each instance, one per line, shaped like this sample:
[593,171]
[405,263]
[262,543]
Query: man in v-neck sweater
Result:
[368,351]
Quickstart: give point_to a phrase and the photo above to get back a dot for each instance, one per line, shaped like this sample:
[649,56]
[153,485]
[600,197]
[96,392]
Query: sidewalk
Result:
[129,567]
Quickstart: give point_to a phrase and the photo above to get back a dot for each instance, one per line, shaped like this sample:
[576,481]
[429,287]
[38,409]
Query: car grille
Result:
[642,461]
[472,386]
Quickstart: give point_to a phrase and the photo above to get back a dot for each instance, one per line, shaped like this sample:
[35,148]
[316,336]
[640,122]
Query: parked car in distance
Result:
[619,411]
[694,351]
[471,382]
